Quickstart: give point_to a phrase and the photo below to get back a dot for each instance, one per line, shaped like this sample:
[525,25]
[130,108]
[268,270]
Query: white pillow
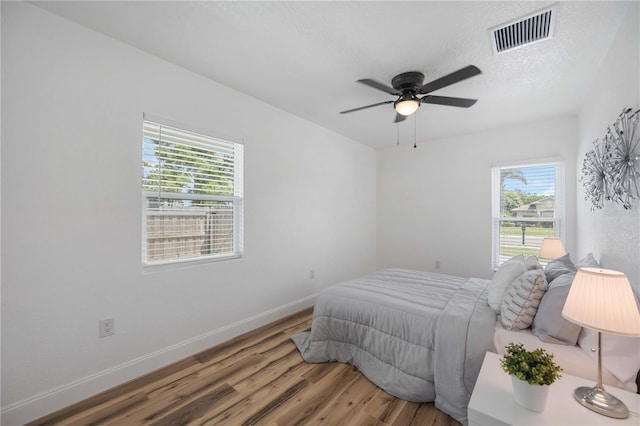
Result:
[502,279]
[522,299]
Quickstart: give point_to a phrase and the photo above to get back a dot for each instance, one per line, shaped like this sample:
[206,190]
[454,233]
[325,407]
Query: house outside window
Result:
[527,206]
[192,194]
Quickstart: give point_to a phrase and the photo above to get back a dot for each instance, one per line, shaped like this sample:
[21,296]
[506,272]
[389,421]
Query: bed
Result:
[396,325]
[422,336]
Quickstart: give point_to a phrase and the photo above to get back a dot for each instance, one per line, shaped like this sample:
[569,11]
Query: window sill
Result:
[183,263]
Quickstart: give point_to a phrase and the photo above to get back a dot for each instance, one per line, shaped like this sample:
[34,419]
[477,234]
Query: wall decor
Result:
[594,176]
[611,170]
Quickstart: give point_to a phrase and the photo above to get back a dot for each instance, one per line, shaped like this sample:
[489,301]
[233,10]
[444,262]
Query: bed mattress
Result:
[420,336]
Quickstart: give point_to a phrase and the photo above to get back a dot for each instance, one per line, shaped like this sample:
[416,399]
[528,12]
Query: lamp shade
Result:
[602,299]
[551,248]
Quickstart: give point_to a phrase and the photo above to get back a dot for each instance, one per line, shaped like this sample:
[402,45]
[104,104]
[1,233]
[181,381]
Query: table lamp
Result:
[551,248]
[602,300]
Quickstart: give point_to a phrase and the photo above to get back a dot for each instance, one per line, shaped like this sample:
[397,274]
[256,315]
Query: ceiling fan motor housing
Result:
[408,81]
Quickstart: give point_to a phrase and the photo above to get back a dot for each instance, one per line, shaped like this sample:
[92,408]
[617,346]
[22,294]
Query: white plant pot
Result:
[531,397]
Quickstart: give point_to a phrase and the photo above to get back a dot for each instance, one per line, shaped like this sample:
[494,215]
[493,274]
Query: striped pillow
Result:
[522,299]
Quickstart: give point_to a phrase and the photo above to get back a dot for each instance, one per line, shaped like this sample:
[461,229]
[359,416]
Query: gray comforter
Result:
[420,336]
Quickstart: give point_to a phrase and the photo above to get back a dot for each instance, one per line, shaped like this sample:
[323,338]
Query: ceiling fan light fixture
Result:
[406,105]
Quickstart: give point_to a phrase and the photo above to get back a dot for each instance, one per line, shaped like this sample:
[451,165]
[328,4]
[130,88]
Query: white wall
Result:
[434,201]
[613,233]
[72,103]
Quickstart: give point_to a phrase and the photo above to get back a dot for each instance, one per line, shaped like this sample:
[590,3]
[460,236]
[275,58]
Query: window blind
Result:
[192,191]
[528,205]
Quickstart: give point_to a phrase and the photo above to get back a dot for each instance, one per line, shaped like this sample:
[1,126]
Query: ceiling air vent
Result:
[526,30]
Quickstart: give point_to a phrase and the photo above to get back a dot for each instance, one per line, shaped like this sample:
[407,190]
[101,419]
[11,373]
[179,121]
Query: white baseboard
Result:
[63,396]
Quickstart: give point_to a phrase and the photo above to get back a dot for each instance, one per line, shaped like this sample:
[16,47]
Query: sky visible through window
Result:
[540,180]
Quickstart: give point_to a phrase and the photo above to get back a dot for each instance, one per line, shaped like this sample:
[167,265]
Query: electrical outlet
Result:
[437,264]
[106,327]
[312,274]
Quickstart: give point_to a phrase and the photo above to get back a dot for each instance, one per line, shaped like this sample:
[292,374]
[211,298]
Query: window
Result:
[528,205]
[192,195]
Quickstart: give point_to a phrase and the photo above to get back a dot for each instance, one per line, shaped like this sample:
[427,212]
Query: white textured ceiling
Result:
[304,57]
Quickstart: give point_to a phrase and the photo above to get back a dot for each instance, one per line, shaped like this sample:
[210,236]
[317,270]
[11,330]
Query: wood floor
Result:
[257,378]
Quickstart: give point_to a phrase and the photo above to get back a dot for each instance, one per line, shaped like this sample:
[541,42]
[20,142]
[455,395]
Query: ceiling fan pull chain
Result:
[415,132]
[398,133]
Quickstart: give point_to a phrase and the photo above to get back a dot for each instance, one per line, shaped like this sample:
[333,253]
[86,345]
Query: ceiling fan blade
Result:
[448,101]
[399,118]
[454,77]
[365,107]
[380,86]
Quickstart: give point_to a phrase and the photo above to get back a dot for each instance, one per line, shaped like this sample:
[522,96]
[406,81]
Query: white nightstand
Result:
[492,402]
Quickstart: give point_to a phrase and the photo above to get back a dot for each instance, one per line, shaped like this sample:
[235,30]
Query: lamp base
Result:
[599,400]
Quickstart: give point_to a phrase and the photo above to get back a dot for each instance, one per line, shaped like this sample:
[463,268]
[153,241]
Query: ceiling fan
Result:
[408,85]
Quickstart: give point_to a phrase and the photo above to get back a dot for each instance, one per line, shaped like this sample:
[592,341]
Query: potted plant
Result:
[531,373]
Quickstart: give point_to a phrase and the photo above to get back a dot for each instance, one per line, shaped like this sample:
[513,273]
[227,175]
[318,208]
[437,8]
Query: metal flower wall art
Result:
[611,170]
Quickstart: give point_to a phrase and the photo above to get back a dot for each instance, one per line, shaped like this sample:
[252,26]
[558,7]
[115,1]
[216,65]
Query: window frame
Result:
[496,192]
[237,199]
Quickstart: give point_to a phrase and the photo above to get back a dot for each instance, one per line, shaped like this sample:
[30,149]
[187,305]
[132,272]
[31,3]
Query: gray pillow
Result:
[560,266]
[562,280]
[532,263]
[588,261]
[521,301]
[548,324]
